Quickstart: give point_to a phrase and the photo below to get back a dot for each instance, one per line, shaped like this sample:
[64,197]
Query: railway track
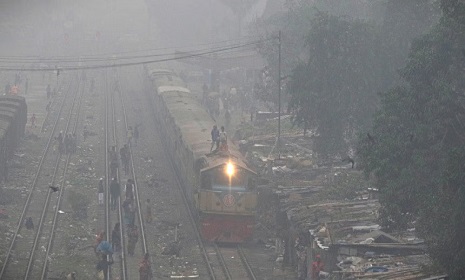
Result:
[58,201]
[228,262]
[116,124]
[139,221]
[37,207]
[115,131]
[111,140]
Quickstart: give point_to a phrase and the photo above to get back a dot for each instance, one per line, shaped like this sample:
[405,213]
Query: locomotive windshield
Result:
[218,179]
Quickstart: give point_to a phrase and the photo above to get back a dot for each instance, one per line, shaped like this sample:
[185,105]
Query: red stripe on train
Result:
[225,228]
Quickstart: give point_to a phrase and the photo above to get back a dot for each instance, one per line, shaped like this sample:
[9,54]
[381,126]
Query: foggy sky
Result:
[33,27]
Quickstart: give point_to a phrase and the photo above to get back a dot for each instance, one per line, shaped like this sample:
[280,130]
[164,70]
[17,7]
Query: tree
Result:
[239,7]
[338,63]
[416,146]
[401,22]
[335,91]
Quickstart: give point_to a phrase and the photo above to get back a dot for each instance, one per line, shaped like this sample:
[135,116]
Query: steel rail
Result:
[124,274]
[42,128]
[60,196]
[49,192]
[134,176]
[33,185]
[245,262]
[107,173]
[224,267]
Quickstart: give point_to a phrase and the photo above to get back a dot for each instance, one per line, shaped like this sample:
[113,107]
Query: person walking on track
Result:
[115,191]
[100,192]
[133,237]
[129,135]
[145,271]
[148,212]
[136,134]
[116,237]
[33,120]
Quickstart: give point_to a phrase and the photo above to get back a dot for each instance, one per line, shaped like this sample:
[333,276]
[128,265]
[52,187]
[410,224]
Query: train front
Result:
[227,202]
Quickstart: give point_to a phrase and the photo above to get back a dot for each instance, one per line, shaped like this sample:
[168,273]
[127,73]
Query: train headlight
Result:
[230,169]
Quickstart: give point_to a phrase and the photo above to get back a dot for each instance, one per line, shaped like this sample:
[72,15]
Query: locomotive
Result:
[219,185]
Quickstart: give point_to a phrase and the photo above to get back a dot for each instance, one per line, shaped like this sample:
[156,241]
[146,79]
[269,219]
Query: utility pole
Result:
[278,144]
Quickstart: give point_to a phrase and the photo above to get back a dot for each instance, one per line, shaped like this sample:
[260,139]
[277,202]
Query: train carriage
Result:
[9,114]
[20,101]
[18,124]
[4,148]
[220,185]
[13,118]
[8,136]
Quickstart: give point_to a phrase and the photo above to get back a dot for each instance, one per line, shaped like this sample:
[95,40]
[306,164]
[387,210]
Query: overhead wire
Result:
[108,56]
[190,54]
[80,59]
[138,51]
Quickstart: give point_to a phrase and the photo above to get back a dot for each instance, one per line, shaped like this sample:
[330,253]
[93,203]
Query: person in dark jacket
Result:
[130,189]
[113,161]
[115,191]
[103,265]
[116,237]
[215,133]
[29,223]
[133,237]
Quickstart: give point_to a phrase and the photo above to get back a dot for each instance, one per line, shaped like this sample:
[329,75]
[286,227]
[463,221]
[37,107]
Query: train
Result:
[13,119]
[220,186]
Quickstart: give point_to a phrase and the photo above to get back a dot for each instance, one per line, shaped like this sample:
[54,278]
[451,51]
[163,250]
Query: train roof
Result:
[3,131]
[9,107]
[156,72]
[169,80]
[7,113]
[196,124]
[163,77]
[19,101]
[162,89]
[4,124]
[17,98]
[11,103]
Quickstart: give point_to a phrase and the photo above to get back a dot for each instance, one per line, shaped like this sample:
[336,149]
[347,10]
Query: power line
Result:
[63,68]
[103,57]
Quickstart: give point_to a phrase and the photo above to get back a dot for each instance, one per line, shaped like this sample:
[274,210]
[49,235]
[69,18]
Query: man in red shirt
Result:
[317,266]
